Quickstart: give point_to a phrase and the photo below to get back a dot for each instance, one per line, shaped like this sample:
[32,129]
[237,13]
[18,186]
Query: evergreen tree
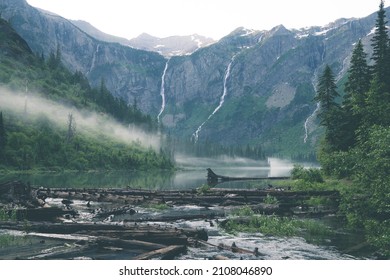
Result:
[329,109]
[380,44]
[378,98]
[358,84]
[354,104]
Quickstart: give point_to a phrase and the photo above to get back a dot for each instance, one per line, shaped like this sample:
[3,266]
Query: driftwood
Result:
[213,179]
[233,248]
[165,253]
[134,237]
[43,214]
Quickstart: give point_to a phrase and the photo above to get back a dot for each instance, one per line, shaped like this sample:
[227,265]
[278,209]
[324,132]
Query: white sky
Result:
[212,18]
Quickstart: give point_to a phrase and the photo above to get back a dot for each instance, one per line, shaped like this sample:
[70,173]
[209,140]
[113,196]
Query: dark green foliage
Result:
[310,175]
[362,153]
[358,84]
[354,104]
[330,113]
[37,143]
[40,144]
[380,44]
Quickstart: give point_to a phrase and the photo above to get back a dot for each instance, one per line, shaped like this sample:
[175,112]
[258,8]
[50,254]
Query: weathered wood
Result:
[233,248]
[214,179]
[220,257]
[133,244]
[153,234]
[165,253]
[43,214]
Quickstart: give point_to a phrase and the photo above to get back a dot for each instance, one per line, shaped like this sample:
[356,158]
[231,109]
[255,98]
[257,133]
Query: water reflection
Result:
[192,174]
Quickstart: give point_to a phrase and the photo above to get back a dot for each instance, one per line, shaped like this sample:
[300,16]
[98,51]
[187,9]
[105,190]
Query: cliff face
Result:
[129,73]
[253,87]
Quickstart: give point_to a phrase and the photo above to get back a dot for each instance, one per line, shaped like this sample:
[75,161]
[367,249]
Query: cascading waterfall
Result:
[309,120]
[195,135]
[162,92]
[95,54]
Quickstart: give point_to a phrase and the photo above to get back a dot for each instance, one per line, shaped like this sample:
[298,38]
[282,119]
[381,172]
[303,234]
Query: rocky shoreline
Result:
[69,223]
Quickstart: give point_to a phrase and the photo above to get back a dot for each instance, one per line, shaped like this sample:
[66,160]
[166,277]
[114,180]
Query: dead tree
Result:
[71,127]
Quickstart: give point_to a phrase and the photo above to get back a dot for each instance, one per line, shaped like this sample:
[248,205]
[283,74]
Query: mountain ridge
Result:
[269,91]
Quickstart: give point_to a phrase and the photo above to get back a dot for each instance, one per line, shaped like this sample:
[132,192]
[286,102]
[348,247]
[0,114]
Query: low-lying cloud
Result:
[87,122]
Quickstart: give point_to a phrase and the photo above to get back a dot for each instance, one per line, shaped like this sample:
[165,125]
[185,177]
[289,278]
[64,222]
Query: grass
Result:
[8,215]
[245,220]
[270,200]
[157,206]
[7,240]
[203,189]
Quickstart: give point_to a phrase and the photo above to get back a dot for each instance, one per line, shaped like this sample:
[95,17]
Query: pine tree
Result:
[380,44]
[358,84]
[378,98]
[354,104]
[329,113]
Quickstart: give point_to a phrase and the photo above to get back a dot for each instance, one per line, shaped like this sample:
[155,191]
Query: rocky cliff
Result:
[253,87]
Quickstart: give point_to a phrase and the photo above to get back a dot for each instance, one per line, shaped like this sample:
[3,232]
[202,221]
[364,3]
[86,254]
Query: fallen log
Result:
[169,252]
[233,248]
[43,214]
[214,179]
[153,234]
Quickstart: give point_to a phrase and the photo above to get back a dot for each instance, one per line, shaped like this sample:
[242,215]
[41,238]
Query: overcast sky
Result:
[212,18]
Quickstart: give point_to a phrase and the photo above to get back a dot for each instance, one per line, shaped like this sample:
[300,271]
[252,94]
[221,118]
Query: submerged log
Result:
[214,179]
[43,214]
[153,234]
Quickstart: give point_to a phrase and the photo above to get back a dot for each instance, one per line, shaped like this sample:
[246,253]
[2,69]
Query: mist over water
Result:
[87,122]
[237,166]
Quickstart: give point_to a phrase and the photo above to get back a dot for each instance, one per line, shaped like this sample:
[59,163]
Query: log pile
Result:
[134,236]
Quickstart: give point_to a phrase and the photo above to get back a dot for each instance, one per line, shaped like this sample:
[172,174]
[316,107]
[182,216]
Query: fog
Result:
[86,122]
[241,167]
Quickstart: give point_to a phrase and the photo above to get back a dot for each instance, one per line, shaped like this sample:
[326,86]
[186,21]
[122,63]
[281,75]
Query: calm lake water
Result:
[192,174]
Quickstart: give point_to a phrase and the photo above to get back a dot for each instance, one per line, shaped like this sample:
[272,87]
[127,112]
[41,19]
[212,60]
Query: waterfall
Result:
[195,135]
[95,54]
[162,92]
[308,121]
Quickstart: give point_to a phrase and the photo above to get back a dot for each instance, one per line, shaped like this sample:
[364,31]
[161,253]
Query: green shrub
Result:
[310,175]
[270,199]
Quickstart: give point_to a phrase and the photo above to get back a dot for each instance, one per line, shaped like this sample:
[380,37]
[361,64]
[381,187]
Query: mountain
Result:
[128,73]
[168,47]
[171,46]
[50,118]
[268,92]
[250,87]
[97,34]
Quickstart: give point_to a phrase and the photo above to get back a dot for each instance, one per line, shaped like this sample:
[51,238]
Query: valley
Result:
[269,92]
[100,133]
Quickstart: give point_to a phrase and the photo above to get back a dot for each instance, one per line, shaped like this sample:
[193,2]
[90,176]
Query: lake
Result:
[191,174]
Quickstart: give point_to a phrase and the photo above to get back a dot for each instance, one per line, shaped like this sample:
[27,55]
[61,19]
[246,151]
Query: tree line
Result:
[27,142]
[356,144]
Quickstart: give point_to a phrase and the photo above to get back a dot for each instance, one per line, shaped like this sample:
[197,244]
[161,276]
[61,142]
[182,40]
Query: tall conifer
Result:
[329,109]
[358,83]
[378,98]
[380,44]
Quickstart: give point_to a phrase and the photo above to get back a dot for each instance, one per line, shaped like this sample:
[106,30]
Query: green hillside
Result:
[30,141]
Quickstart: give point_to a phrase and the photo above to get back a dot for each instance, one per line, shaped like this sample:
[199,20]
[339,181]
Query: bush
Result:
[310,175]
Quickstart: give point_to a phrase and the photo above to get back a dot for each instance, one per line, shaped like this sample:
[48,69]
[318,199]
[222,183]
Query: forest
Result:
[356,145]
[30,142]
